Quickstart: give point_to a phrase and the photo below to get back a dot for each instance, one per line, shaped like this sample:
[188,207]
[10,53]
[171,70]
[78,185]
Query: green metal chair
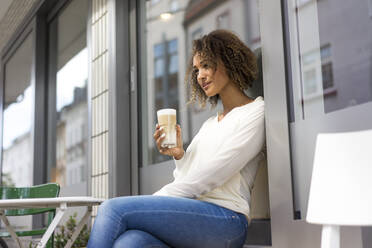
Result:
[38,191]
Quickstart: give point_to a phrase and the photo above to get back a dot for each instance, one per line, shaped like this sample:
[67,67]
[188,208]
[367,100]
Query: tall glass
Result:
[167,119]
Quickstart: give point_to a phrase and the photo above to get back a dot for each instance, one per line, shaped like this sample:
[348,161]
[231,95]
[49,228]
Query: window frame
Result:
[7,53]
[33,24]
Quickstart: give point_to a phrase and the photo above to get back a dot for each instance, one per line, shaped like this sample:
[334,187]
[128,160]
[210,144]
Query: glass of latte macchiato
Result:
[167,119]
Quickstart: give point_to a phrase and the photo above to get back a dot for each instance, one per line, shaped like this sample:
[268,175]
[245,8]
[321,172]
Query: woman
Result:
[207,204]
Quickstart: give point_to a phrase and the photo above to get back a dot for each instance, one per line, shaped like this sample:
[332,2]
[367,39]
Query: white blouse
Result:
[220,164]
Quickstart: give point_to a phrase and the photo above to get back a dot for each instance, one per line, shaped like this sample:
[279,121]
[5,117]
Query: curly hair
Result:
[239,61]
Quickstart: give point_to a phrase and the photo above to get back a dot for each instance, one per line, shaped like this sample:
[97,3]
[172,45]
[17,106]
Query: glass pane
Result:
[159,67]
[17,146]
[71,99]
[172,46]
[332,84]
[168,37]
[159,50]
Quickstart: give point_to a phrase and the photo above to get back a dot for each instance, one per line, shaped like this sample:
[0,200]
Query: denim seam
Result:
[122,217]
[118,222]
[195,214]
[183,212]
[229,241]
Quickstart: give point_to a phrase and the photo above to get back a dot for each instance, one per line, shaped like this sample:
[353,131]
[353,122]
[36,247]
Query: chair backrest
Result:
[38,191]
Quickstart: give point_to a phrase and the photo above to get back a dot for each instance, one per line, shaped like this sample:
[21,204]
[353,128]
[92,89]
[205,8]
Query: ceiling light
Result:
[165,16]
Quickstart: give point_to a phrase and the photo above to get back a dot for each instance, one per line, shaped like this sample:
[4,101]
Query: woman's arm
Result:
[242,145]
[184,160]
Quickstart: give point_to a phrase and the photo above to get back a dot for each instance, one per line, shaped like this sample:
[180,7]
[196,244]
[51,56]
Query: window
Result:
[223,20]
[153,2]
[69,60]
[310,86]
[165,51]
[17,148]
[327,70]
[196,34]
[166,80]
[312,76]
[174,5]
[317,79]
[303,2]
[329,76]
[168,46]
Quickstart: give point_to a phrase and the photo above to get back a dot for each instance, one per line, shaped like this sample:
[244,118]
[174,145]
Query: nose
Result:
[201,76]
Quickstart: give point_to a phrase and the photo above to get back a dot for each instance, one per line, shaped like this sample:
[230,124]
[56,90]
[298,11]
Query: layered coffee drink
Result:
[167,119]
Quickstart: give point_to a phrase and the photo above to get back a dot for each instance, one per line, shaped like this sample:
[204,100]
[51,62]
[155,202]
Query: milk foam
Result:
[167,112]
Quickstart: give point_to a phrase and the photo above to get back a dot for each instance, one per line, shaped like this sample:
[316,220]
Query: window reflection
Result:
[348,51]
[340,54]
[168,42]
[17,164]
[223,20]
[330,78]
[72,119]
[71,98]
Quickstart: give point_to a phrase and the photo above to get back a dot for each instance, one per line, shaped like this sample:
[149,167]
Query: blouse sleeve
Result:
[180,163]
[242,145]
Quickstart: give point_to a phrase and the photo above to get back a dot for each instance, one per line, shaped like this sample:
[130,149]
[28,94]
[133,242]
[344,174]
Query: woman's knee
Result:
[138,239]
[105,206]
[110,206]
[118,206]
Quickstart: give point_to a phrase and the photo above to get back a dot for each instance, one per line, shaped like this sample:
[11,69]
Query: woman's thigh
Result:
[179,222]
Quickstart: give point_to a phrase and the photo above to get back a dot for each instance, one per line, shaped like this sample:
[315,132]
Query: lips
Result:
[206,85]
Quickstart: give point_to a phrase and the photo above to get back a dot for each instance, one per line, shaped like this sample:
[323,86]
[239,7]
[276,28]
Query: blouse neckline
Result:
[239,107]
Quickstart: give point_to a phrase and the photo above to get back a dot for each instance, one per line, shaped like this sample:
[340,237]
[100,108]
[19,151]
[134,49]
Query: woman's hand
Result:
[177,152]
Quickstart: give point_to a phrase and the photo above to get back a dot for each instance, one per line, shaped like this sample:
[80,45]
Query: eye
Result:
[205,65]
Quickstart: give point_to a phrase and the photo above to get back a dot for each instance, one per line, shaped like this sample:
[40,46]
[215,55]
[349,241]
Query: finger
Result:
[178,131]
[159,140]
[156,135]
[158,132]
[157,127]
[164,150]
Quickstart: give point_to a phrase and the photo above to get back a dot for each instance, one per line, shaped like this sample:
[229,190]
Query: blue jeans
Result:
[159,221]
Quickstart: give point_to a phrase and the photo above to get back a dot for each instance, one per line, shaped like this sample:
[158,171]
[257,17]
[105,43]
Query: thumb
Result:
[179,131]
[179,134]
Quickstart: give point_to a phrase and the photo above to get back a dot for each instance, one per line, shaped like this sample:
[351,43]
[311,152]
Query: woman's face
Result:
[212,82]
